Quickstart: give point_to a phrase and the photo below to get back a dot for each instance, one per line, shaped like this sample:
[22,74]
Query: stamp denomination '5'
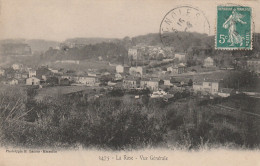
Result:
[234,27]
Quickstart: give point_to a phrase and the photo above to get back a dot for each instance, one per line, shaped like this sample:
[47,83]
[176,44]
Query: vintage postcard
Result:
[129,82]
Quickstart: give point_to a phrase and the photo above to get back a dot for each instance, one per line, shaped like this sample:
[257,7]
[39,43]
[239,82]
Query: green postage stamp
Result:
[233,31]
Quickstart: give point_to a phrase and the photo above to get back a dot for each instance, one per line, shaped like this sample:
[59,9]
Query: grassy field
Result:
[83,65]
[55,92]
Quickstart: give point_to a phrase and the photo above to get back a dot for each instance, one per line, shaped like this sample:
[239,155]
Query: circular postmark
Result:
[180,20]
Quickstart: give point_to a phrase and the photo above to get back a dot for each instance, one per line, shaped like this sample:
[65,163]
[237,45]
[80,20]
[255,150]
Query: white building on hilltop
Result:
[120,69]
[208,62]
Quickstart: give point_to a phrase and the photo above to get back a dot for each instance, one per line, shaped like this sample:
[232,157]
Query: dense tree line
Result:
[107,51]
[241,79]
[193,44]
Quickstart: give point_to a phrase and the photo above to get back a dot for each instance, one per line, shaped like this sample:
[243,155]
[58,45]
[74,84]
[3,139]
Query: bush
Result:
[120,123]
[106,124]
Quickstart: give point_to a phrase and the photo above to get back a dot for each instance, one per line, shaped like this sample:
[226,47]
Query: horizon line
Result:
[113,38]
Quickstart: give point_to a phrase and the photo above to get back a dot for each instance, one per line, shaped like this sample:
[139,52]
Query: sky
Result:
[62,19]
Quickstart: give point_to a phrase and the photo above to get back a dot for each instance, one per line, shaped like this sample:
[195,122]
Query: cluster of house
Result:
[13,75]
[139,52]
[88,80]
[138,79]
[130,77]
[177,69]
[19,74]
[134,77]
[142,81]
[127,77]
[207,86]
[213,87]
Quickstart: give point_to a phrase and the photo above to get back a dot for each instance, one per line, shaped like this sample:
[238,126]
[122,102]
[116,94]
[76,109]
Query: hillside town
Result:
[158,69]
[133,92]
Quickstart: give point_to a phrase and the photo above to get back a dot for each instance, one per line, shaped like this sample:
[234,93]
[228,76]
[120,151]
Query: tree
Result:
[161,82]
[52,80]
[190,83]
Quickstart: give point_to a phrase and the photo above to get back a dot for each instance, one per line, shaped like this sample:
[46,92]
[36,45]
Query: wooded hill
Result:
[116,49]
[190,43]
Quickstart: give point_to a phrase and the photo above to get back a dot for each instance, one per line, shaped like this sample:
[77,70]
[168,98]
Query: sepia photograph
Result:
[126,82]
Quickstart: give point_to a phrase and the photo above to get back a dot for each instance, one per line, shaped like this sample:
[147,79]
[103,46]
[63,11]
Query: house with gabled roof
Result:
[130,83]
[208,62]
[32,81]
[87,80]
[136,71]
[150,83]
[207,85]
[177,69]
